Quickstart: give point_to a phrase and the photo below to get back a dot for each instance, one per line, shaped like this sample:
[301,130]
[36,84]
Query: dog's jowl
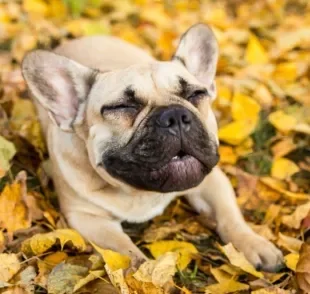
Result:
[127,134]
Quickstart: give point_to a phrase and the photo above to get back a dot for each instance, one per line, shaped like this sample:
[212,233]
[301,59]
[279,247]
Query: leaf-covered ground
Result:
[263,110]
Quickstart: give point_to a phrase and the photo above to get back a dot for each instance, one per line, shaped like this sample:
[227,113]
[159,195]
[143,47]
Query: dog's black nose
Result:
[175,118]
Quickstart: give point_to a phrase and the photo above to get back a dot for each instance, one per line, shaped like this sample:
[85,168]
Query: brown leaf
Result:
[303,268]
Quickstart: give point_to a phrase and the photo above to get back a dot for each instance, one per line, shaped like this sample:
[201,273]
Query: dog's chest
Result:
[140,208]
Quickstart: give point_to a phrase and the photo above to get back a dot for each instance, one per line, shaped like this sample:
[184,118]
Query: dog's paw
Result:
[260,252]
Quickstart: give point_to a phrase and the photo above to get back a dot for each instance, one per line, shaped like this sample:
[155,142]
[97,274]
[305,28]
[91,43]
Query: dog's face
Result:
[147,126]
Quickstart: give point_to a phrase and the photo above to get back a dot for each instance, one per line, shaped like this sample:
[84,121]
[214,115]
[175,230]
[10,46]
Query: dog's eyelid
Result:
[198,92]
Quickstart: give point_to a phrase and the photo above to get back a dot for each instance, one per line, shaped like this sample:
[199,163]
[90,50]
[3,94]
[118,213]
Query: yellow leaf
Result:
[282,121]
[118,280]
[238,259]
[7,151]
[290,243]
[220,275]
[14,214]
[244,108]
[255,52]
[24,121]
[274,184]
[40,243]
[283,168]
[291,261]
[234,133]
[114,260]
[38,7]
[185,251]
[271,290]
[9,266]
[263,96]
[283,147]
[158,272]
[226,287]
[294,220]
[286,72]
[227,155]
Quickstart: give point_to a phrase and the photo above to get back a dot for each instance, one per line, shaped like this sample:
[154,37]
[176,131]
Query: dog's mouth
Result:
[182,172]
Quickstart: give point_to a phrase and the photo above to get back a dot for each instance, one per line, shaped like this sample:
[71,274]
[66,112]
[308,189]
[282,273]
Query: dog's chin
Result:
[181,173]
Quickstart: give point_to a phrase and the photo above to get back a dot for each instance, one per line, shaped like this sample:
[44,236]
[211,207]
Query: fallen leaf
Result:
[9,266]
[236,132]
[184,250]
[282,121]
[158,272]
[295,219]
[303,268]
[283,168]
[271,290]
[238,259]
[272,183]
[92,275]
[255,52]
[7,151]
[226,287]
[40,243]
[64,277]
[227,155]
[244,108]
[290,243]
[114,260]
[283,147]
[14,213]
[291,260]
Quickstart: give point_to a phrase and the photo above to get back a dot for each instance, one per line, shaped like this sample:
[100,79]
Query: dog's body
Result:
[107,165]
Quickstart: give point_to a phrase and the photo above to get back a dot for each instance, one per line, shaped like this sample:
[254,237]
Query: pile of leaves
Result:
[263,110]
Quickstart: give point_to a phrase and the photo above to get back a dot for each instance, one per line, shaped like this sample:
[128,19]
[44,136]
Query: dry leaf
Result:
[255,52]
[238,259]
[291,244]
[92,275]
[282,121]
[291,260]
[236,132]
[303,268]
[114,260]
[283,147]
[283,168]
[40,243]
[244,108]
[158,272]
[14,214]
[295,219]
[9,266]
[226,287]
[7,151]
[184,251]
[64,277]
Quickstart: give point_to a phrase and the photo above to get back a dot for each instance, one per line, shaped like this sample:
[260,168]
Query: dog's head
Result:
[147,126]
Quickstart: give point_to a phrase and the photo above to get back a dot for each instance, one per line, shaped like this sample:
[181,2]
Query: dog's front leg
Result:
[105,233]
[217,196]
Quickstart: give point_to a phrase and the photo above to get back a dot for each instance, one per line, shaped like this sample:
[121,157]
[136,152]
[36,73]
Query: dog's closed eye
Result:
[128,108]
[197,95]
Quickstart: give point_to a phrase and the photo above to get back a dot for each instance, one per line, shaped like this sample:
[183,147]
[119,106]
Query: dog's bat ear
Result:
[60,84]
[198,52]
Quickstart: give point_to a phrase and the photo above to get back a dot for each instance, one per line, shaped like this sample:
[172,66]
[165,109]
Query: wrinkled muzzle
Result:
[171,151]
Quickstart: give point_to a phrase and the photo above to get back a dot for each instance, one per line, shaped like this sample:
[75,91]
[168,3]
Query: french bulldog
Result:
[127,134]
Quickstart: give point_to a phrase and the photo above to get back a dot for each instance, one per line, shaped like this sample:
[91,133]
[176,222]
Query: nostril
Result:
[186,119]
[171,122]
